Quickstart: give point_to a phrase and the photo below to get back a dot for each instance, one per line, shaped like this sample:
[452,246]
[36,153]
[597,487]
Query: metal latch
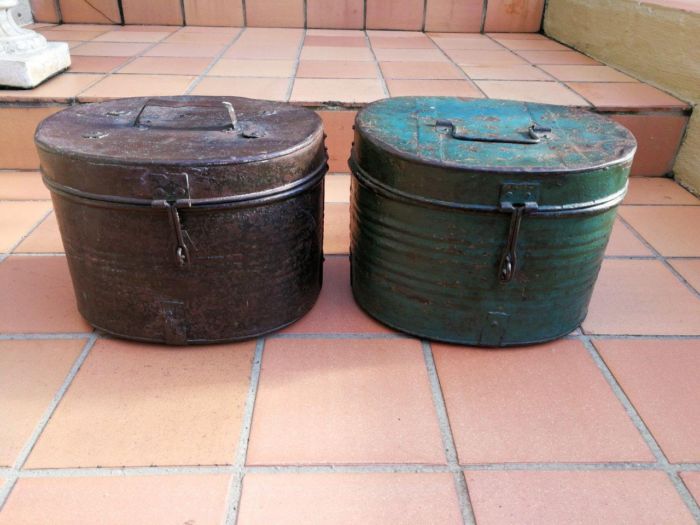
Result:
[517,199]
[175,195]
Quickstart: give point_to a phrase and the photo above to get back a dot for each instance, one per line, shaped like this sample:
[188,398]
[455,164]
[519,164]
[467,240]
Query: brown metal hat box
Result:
[188,219]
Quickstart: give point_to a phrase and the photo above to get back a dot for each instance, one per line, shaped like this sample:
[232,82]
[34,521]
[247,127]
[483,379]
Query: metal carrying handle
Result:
[181,104]
[535,134]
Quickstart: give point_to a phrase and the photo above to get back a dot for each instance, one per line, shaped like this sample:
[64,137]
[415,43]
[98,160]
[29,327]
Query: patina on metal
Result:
[188,220]
[482,222]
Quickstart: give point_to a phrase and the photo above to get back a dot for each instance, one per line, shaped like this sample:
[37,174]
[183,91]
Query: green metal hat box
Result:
[482,222]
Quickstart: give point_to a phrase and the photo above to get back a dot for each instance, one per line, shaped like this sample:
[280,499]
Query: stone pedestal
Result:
[26,58]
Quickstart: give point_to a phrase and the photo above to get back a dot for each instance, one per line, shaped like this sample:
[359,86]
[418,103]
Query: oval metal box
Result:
[482,222]
[188,219]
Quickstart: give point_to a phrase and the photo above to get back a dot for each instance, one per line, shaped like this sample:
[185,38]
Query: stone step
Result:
[335,73]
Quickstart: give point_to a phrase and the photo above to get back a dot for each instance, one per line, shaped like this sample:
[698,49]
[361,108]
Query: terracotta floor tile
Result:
[335,41]
[273,13]
[344,401]
[140,405]
[335,53]
[529,44]
[394,14]
[411,42]
[61,88]
[27,388]
[335,32]
[88,27]
[671,230]
[546,403]
[336,232]
[557,57]
[335,311]
[116,500]
[659,135]
[339,128]
[457,42]
[337,188]
[44,239]
[410,55]
[335,13]
[17,219]
[395,33]
[619,95]
[111,49]
[421,70]
[22,185]
[183,37]
[660,377]
[584,498]
[185,50]
[317,90]
[258,52]
[692,481]
[586,73]
[132,36]
[116,86]
[167,66]
[56,35]
[337,69]
[442,88]
[262,88]
[505,15]
[512,72]
[210,30]
[516,36]
[368,498]
[454,15]
[658,190]
[470,57]
[94,64]
[689,269]
[624,243]
[544,92]
[228,67]
[19,124]
[38,296]
[641,298]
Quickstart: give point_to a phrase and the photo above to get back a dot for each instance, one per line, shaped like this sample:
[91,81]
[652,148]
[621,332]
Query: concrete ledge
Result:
[656,43]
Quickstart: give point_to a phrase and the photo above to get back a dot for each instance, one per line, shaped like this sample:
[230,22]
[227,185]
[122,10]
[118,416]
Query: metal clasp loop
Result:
[518,199]
[182,252]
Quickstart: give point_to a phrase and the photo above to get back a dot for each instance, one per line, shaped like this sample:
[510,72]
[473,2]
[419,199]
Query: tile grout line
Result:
[382,80]
[43,422]
[459,68]
[295,69]
[662,259]
[75,99]
[235,488]
[390,468]
[27,233]
[447,437]
[215,60]
[642,428]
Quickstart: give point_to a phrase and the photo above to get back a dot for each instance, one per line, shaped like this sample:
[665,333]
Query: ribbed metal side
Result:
[251,270]
[433,271]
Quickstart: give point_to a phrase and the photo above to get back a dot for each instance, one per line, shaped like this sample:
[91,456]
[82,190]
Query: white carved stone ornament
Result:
[26,58]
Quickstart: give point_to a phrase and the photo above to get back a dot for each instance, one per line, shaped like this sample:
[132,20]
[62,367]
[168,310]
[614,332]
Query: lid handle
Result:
[164,103]
[533,135]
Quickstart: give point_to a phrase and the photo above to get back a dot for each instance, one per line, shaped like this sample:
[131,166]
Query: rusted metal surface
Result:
[482,222]
[185,221]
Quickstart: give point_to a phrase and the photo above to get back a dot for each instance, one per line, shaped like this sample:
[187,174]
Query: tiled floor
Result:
[338,419]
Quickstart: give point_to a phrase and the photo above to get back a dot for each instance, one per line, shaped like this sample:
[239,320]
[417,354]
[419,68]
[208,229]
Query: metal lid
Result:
[494,135]
[218,145]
